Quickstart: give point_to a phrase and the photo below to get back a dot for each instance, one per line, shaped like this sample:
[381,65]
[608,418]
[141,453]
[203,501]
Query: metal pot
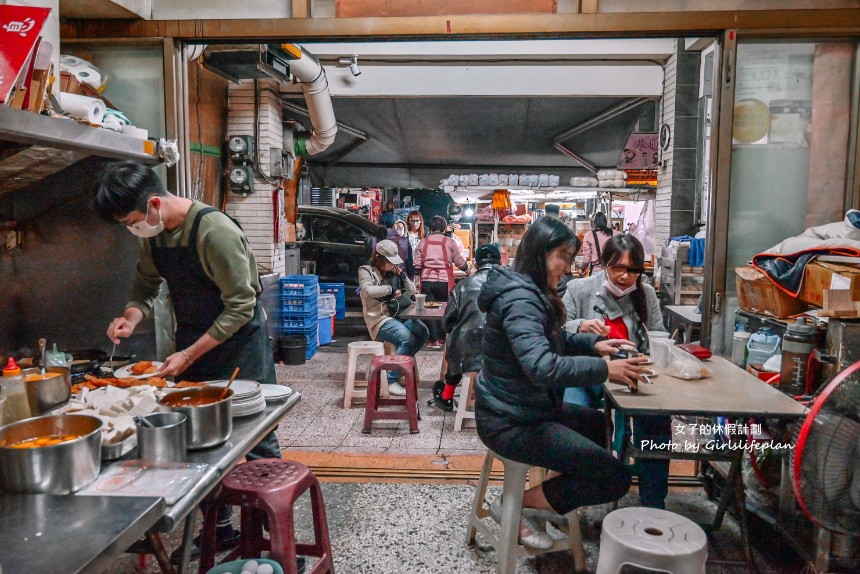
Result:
[209,424]
[45,394]
[58,469]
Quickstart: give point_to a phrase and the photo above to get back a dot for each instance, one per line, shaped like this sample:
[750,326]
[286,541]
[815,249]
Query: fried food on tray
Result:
[185,384]
[92,383]
[143,368]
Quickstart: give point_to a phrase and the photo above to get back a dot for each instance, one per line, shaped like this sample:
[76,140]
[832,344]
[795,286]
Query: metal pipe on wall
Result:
[315,88]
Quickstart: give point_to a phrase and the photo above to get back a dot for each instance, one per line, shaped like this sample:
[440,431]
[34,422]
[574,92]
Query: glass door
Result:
[787,128]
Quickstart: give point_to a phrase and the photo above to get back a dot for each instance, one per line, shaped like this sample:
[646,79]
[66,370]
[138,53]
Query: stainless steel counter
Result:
[40,533]
[70,534]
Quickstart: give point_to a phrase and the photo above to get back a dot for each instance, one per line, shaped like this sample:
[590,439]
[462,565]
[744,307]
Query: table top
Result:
[53,533]
[413,312]
[729,391]
[686,312]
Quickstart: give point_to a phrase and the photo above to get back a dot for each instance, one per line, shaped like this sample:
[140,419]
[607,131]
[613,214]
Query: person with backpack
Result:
[593,242]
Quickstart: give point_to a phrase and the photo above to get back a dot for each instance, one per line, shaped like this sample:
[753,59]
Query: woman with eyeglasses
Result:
[617,304]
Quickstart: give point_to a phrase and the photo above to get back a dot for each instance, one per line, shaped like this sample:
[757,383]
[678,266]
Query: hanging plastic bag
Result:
[683,365]
[502,199]
[646,227]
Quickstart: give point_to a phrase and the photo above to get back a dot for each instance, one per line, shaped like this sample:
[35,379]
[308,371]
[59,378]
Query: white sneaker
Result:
[535,538]
[396,389]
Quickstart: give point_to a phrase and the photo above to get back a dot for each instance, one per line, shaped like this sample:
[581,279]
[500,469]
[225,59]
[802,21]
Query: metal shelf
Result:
[33,146]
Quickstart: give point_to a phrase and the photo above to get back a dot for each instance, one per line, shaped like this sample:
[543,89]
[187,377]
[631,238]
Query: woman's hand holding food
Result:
[611,346]
[174,365]
[626,372]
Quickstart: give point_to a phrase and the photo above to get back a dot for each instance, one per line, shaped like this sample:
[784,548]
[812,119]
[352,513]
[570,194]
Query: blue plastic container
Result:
[339,291]
[325,329]
[299,285]
[763,344]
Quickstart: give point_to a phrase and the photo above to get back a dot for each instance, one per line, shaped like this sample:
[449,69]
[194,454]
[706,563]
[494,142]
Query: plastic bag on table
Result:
[683,365]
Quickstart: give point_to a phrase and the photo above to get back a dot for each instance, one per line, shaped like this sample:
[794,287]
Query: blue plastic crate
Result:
[299,304]
[303,322]
[299,285]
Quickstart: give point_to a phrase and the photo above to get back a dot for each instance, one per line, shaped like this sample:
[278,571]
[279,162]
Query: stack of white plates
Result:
[247,397]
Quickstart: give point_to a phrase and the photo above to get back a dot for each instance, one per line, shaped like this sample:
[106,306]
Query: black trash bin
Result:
[292,349]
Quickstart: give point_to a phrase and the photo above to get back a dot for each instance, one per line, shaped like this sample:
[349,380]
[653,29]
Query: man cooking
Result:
[212,275]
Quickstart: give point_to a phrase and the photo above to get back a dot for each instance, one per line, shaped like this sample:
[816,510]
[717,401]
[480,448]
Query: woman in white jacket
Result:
[410,335]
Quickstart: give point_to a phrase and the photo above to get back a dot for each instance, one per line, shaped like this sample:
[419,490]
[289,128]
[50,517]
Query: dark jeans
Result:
[570,443]
[435,291]
[653,431]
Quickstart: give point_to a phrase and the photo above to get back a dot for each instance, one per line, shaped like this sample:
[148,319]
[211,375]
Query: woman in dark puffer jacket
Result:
[528,362]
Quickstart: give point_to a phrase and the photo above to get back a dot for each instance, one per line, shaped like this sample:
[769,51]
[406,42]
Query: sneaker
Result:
[434,346]
[396,389]
[446,405]
[225,539]
[535,538]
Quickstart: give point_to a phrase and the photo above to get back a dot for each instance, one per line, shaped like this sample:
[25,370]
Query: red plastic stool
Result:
[405,365]
[269,487]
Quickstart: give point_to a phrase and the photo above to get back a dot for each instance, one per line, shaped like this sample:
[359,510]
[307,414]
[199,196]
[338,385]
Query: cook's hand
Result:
[626,372]
[120,328]
[594,326]
[173,366]
[611,346]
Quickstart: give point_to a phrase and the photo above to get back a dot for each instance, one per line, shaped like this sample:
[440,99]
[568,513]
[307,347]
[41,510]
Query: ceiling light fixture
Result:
[352,62]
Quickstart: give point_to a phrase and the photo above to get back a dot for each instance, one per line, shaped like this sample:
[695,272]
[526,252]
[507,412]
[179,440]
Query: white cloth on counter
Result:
[845,233]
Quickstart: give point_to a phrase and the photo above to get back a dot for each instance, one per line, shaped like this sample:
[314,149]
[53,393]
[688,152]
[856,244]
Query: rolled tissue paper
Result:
[91,110]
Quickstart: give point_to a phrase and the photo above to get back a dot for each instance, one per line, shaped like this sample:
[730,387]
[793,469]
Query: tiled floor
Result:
[320,423]
[385,528]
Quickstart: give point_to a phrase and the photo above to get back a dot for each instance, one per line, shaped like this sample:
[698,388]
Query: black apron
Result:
[196,305]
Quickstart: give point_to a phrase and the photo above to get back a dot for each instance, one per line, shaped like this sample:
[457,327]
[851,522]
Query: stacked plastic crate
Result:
[339,291]
[299,297]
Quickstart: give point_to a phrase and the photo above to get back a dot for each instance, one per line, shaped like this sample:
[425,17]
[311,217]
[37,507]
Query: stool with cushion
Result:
[653,539]
[508,549]
[406,365]
[466,403]
[353,351]
[269,487]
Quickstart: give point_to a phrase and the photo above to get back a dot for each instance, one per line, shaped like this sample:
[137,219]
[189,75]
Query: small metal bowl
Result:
[45,394]
[57,469]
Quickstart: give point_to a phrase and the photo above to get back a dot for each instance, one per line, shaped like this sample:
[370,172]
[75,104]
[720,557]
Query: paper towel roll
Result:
[88,109]
[87,75]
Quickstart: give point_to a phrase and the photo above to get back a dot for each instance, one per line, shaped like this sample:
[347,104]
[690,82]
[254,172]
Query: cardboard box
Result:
[757,294]
[820,276]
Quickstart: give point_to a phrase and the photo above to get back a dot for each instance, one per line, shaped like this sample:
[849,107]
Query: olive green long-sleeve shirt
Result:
[227,260]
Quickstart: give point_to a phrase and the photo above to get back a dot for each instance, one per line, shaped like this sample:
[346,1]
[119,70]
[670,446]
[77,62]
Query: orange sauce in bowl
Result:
[45,377]
[41,441]
[189,401]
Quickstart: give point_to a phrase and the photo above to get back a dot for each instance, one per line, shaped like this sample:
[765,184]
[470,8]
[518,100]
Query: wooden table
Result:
[684,316]
[729,392]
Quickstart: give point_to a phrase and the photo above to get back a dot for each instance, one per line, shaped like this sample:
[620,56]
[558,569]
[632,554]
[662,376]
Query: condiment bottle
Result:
[798,344]
[14,386]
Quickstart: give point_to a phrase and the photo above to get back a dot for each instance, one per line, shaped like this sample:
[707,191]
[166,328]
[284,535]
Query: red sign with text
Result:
[20,27]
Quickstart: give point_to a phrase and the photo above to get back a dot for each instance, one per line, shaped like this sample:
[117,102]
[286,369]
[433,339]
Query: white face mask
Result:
[145,230]
[416,224]
[618,291]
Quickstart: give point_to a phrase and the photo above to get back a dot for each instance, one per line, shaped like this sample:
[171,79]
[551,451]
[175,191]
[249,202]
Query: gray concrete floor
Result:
[386,528]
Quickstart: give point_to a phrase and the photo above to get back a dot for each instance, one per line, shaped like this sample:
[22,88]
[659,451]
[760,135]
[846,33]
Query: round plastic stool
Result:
[350,384]
[651,538]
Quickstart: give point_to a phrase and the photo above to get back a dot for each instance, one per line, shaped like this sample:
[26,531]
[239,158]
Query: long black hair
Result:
[542,237]
[613,251]
[600,223]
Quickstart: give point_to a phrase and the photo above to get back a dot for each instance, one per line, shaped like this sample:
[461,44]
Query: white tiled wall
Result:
[256,212]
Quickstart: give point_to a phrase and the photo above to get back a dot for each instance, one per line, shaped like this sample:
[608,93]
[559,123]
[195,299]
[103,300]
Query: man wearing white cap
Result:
[378,283]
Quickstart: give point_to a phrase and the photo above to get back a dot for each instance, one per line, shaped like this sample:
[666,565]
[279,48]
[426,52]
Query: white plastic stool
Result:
[353,351]
[651,538]
[508,549]
[466,403]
